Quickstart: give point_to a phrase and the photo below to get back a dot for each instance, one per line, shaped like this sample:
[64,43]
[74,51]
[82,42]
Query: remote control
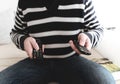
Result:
[37,54]
[81,49]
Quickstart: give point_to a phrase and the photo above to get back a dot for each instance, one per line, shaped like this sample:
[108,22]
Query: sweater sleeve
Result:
[18,33]
[92,25]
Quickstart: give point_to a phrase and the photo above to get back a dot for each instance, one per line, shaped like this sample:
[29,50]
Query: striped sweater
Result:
[55,23]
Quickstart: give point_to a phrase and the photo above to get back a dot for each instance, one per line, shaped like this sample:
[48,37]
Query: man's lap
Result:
[69,70]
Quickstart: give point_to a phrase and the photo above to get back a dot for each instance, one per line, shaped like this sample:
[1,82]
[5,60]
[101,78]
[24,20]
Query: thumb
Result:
[73,46]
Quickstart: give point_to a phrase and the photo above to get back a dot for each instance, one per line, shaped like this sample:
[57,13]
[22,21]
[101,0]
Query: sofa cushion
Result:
[9,55]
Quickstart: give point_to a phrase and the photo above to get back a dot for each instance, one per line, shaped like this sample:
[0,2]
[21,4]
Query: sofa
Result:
[9,54]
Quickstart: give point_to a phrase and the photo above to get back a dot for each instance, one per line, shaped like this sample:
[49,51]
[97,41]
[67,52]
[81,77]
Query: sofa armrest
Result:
[9,55]
[110,46]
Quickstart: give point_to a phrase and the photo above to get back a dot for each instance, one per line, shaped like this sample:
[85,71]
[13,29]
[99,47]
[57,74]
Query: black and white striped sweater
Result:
[55,23]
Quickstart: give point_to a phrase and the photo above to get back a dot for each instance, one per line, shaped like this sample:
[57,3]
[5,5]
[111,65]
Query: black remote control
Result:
[81,49]
[37,54]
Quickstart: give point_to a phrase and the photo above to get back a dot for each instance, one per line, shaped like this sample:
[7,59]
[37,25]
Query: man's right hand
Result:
[29,44]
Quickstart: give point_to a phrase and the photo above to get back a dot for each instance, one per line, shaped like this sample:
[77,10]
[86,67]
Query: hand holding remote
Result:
[37,54]
[81,49]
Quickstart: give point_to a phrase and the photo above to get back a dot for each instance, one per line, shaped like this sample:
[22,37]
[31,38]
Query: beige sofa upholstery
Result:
[9,55]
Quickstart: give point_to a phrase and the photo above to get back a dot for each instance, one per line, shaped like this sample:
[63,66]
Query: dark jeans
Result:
[71,70]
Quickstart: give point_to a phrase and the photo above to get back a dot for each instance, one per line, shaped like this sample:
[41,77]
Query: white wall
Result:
[108,12]
[7,4]
[7,11]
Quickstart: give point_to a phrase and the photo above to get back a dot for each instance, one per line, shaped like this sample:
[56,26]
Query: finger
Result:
[34,44]
[73,47]
[81,39]
[43,46]
[88,44]
[28,48]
